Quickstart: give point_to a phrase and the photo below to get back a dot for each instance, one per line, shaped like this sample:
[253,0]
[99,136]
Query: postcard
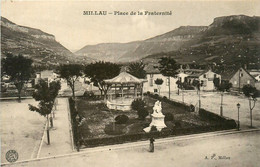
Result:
[130,83]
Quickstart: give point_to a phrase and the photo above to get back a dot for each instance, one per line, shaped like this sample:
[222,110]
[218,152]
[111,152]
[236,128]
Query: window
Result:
[205,76]
[167,82]
[241,75]
[155,90]
[248,81]
[151,81]
[202,83]
[151,75]
[235,82]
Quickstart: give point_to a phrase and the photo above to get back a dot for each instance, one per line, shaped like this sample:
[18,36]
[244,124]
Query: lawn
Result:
[21,129]
[99,120]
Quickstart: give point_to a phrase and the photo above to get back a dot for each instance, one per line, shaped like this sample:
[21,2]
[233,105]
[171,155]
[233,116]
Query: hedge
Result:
[185,106]
[73,114]
[202,112]
[145,136]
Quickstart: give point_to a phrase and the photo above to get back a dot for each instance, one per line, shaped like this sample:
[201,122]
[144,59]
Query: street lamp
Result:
[238,124]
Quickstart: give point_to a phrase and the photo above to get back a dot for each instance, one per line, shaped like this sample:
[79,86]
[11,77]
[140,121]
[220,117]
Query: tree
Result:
[19,69]
[158,82]
[216,82]
[222,87]
[197,84]
[250,92]
[168,67]
[99,71]
[45,93]
[137,69]
[71,73]
[181,86]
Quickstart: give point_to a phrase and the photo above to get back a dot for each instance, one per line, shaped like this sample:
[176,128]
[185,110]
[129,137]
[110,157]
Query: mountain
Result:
[107,51]
[132,51]
[228,39]
[33,43]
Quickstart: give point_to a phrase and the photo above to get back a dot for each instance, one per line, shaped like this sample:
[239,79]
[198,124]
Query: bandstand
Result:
[123,90]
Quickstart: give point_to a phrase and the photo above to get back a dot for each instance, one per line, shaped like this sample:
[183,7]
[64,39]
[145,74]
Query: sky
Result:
[65,19]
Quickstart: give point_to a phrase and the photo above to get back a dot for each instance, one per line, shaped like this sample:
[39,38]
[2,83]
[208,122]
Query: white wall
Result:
[152,87]
[207,79]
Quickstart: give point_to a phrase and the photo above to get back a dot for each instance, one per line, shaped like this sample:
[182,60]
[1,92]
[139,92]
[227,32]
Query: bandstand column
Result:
[122,90]
[115,91]
[142,89]
[135,92]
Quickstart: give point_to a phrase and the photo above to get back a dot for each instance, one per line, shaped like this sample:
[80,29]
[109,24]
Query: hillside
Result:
[34,43]
[124,52]
[107,51]
[228,40]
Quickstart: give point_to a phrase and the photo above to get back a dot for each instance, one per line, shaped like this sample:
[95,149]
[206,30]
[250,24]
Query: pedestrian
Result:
[151,145]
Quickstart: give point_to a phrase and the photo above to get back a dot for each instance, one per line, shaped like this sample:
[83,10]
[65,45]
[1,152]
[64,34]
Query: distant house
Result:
[255,74]
[240,78]
[257,77]
[152,73]
[182,76]
[207,80]
[47,75]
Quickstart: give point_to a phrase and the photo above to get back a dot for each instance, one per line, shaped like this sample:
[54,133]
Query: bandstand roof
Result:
[125,78]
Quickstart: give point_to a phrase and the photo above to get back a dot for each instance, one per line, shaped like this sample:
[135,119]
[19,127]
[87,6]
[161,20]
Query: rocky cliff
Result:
[34,43]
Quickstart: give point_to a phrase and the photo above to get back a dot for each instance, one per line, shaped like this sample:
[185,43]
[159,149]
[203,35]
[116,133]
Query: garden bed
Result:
[99,127]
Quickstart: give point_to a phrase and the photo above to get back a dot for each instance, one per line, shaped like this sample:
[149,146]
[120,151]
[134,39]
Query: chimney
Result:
[245,66]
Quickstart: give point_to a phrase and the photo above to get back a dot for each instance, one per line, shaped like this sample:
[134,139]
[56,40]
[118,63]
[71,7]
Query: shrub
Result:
[164,98]
[142,113]
[89,94]
[249,90]
[168,117]
[121,119]
[138,104]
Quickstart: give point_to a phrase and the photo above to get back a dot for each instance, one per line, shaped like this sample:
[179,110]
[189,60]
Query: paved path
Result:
[60,138]
[237,149]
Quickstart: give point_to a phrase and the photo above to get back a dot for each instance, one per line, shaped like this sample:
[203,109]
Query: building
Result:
[182,77]
[240,78]
[152,73]
[47,75]
[255,74]
[207,80]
